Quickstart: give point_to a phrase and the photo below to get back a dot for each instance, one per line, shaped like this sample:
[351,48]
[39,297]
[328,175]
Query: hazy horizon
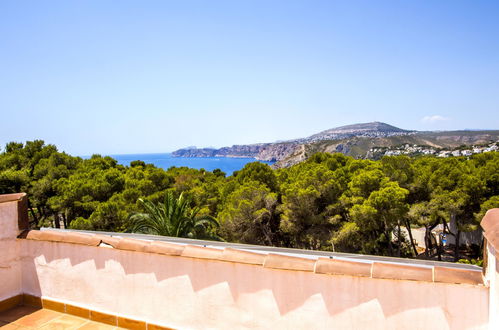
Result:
[150,77]
[229,144]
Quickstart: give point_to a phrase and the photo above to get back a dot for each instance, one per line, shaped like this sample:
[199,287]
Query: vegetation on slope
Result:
[360,146]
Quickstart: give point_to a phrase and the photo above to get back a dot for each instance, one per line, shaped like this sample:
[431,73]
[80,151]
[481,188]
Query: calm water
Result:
[226,164]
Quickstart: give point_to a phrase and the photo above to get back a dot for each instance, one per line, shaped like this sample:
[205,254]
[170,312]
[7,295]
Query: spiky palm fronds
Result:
[173,217]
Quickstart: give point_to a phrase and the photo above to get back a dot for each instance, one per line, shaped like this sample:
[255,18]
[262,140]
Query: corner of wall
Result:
[13,220]
[490,225]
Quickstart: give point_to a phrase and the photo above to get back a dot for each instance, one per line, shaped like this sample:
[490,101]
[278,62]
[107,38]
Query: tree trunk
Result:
[456,248]
[408,227]
[33,215]
[456,237]
[42,212]
[398,238]
[388,235]
[390,247]
[66,224]
[427,241]
[440,246]
[57,221]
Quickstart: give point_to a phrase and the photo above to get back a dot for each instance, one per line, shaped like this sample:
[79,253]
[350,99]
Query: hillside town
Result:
[415,150]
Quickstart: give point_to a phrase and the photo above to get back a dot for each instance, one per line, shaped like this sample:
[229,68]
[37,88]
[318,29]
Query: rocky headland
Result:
[358,140]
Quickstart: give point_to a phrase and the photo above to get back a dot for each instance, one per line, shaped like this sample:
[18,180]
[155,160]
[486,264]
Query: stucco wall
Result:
[490,225]
[208,294]
[10,265]
[494,321]
[493,282]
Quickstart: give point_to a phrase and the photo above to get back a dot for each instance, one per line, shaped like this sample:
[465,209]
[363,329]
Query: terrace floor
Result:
[26,317]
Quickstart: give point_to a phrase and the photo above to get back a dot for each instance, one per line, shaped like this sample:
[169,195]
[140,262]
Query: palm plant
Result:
[173,217]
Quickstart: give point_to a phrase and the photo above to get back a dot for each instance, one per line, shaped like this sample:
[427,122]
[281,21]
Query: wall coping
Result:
[12,197]
[112,239]
[270,260]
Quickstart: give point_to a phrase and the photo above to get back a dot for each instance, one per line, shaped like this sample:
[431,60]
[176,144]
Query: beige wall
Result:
[193,293]
[494,321]
[490,225]
[492,276]
[10,266]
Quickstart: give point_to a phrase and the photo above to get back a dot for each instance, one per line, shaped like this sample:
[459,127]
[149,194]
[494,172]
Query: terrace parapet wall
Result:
[194,286]
[321,265]
[490,225]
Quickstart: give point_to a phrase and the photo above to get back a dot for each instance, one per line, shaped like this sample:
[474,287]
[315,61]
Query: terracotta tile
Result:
[38,318]
[84,239]
[68,322]
[165,248]
[131,324]
[157,327]
[45,235]
[30,300]
[113,241]
[342,267]
[280,261]
[33,234]
[16,313]
[77,311]
[454,275]
[131,244]
[8,326]
[90,325]
[10,303]
[200,252]
[244,257]
[402,272]
[103,318]
[53,305]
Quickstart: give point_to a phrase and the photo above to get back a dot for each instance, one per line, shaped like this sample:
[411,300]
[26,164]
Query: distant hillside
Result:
[374,129]
[354,140]
[361,147]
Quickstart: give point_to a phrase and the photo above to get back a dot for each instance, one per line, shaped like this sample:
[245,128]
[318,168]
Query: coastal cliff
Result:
[264,151]
[249,151]
[368,140]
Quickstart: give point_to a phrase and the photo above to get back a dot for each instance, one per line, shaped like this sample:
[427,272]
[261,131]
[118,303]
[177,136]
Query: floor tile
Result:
[16,313]
[68,322]
[90,325]
[30,318]
[38,318]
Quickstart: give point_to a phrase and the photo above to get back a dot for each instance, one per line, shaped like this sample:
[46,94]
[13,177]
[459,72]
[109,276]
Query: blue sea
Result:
[165,160]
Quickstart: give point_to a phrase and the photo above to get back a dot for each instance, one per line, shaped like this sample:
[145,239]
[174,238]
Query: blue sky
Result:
[117,77]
